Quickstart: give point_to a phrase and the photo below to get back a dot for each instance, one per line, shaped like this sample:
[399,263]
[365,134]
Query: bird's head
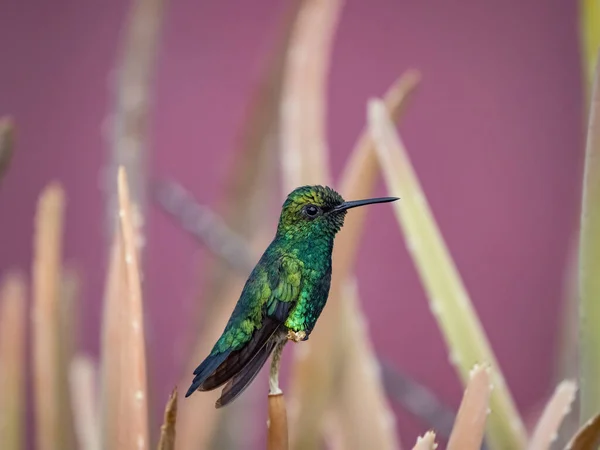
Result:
[317,210]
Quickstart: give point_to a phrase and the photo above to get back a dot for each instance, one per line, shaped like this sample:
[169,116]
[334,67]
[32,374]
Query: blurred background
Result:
[495,133]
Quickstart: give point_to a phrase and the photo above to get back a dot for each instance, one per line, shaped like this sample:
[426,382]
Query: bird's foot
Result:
[296,336]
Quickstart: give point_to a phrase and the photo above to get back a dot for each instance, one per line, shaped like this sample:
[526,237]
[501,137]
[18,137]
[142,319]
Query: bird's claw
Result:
[296,336]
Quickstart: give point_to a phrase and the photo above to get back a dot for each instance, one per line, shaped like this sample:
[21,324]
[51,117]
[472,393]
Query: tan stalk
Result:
[304,160]
[314,367]
[427,442]
[277,438]
[559,406]
[167,430]
[133,393]
[304,154]
[12,361]
[84,401]
[112,337]
[469,426]
[48,237]
[129,123]
[589,264]
[448,298]
[7,137]
[68,307]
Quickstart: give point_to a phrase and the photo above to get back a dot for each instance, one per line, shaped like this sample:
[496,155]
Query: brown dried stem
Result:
[469,427]
[46,318]
[132,103]
[546,430]
[587,437]
[167,430]
[7,137]
[12,361]
[314,372]
[277,438]
[84,402]
[133,408]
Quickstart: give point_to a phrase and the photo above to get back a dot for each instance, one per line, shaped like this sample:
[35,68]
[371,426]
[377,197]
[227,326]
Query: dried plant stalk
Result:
[427,442]
[277,438]
[447,295]
[314,371]
[132,104]
[589,264]
[112,338]
[7,135]
[47,265]
[12,361]
[587,437]
[546,430]
[133,407]
[469,427]
[82,379]
[167,430]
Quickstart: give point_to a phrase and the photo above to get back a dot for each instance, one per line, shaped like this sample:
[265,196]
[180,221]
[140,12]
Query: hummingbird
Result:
[285,293]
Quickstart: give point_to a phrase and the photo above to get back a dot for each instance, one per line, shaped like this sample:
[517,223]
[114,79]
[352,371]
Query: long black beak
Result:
[353,204]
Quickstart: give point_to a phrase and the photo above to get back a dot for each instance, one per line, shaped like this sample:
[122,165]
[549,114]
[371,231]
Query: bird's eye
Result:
[311,210]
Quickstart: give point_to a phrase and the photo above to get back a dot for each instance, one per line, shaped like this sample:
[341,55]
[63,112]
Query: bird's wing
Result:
[250,334]
[285,284]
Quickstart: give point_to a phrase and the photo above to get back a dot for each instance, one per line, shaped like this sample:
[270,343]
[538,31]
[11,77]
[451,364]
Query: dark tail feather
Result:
[238,384]
[238,359]
[205,370]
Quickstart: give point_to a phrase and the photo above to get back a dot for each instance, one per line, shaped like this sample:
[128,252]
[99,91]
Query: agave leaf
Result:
[546,430]
[47,266]
[84,399]
[469,427]
[426,442]
[132,429]
[589,264]
[12,361]
[447,295]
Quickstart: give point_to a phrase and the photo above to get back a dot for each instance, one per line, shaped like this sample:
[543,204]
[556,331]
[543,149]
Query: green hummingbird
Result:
[284,294]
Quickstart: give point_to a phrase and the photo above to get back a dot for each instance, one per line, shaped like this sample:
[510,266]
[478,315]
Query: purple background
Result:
[495,134]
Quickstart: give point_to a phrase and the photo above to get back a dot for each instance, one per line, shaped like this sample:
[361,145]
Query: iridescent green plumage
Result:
[283,296]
